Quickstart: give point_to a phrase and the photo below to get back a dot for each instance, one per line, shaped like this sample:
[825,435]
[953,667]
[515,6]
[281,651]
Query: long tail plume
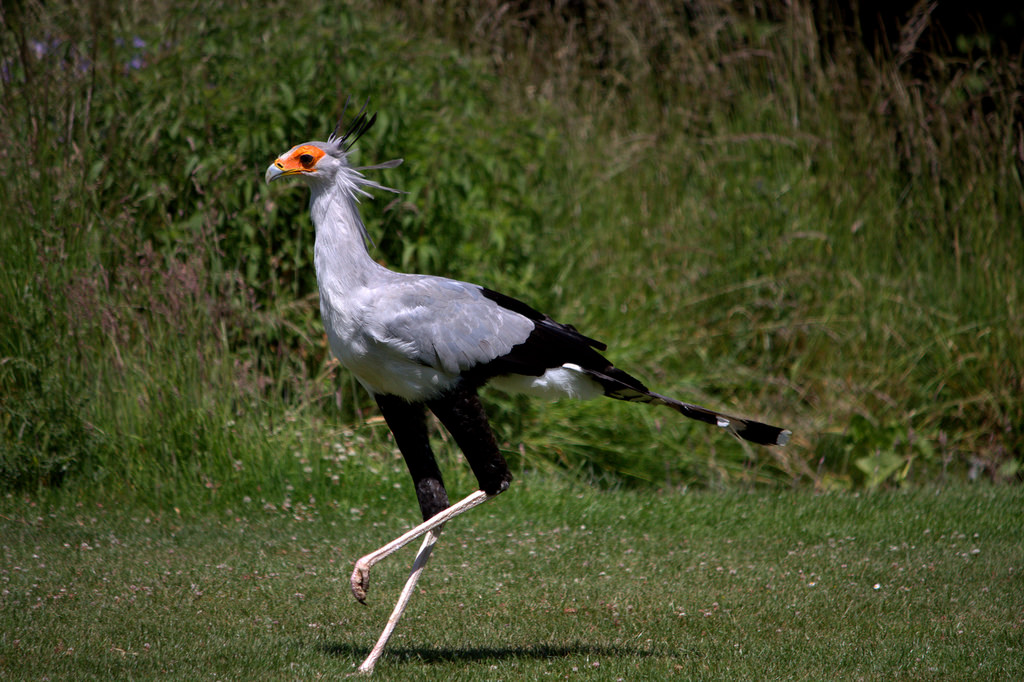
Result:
[621,386]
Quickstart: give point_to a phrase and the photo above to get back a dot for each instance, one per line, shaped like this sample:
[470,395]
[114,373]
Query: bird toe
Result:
[360,582]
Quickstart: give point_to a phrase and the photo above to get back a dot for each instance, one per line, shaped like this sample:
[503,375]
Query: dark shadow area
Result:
[489,653]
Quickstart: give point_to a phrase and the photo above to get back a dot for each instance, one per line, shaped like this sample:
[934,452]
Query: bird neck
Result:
[339,254]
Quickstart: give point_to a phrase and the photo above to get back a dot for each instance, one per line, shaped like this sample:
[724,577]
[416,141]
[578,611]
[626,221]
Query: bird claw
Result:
[360,581]
[360,673]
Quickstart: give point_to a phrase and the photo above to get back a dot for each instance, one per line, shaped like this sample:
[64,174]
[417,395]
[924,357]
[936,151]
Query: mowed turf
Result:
[552,580]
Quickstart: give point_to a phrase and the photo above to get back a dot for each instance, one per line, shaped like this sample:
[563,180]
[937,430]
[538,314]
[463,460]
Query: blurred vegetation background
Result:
[798,214]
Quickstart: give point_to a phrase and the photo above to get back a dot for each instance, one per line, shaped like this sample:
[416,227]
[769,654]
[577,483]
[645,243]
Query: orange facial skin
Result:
[302,159]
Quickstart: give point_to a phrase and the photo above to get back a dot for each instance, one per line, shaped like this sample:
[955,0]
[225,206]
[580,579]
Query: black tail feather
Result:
[747,429]
[634,391]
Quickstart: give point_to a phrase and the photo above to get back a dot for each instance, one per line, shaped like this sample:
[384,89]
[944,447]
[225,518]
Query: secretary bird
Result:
[419,342]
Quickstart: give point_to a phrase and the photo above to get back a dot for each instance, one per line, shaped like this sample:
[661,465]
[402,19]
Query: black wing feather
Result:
[550,344]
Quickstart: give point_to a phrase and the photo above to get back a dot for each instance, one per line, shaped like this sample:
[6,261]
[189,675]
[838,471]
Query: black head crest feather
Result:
[360,124]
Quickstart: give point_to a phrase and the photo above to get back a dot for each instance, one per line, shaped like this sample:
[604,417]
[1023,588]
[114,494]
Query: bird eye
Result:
[306,160]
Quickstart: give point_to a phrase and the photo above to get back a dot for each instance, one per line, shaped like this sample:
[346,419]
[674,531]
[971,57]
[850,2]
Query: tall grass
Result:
[753,210]
[823,226]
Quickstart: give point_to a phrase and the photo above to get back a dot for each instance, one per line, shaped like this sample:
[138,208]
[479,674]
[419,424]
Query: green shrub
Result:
[751,209]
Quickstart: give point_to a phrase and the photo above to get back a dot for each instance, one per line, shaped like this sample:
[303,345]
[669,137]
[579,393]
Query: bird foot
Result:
[360,581]
[361,574]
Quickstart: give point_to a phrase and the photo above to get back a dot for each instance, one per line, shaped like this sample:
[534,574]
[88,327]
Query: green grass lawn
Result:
[551,580]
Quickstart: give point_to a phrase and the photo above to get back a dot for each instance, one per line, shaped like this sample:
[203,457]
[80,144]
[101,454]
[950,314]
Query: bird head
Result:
[326,164]
[311,160]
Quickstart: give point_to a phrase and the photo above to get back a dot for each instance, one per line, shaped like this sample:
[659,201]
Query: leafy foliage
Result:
[751,209]
[44,433]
